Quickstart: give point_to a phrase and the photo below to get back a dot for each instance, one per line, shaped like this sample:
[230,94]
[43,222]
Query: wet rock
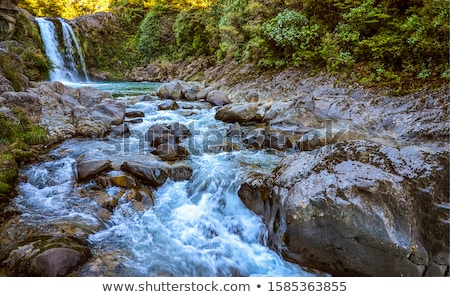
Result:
[235,131]
[134,114]
[156,130]
[237,112]
[180,171]
[168,105]
[358,208]
[171,90]
[30,250]
[148,174]
[56,262]
[124,181]
[179,130]
[121,130]
[87,169]
[171,152]
[167,139]
[106,201]
[217,98]
[146,197]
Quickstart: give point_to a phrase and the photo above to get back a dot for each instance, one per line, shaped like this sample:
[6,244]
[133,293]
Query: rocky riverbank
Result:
[363,189]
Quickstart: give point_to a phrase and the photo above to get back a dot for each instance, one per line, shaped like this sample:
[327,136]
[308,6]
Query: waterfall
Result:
[62,48]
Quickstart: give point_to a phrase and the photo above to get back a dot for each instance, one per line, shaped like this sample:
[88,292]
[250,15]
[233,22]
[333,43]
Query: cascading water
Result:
[63,50]
[197,227]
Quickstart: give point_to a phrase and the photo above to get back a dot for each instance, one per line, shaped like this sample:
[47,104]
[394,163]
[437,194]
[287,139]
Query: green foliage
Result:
[22,132]
[380,40]
[156,36]
[190,34]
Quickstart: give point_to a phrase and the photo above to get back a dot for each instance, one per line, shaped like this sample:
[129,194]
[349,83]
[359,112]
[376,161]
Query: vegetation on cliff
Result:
[404,43]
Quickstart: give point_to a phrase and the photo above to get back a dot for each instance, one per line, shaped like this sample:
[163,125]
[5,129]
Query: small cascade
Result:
[63,50]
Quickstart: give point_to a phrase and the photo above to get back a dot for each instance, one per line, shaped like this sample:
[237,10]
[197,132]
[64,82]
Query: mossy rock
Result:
[9,171]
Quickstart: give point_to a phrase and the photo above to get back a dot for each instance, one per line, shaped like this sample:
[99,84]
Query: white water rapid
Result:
[198,227]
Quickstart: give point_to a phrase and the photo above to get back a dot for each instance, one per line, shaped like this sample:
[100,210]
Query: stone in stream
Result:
[134,114]
[156,130]
[179,130]
[57,261]
[168,105]
[87,169]
[147,173]
[121,130]
[171,152]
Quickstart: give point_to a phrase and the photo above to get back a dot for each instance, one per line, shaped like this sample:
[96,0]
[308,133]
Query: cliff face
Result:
[8,13]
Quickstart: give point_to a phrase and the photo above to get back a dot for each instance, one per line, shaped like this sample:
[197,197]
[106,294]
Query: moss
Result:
[5,188]
[9,172]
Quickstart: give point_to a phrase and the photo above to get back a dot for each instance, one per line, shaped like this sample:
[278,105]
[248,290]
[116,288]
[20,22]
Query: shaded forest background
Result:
[400,42]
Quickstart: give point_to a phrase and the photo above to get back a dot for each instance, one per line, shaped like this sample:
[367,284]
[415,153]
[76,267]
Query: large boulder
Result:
[178,89]
[359,208]
[87,169]
[238,112]
[151,174]
[58,261]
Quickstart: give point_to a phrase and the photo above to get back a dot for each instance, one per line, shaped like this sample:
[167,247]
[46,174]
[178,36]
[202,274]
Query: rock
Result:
[5,85]
[179,130]
[121,130]
[178,90]
[189,94]
[124,181]
[134,114]
[168,105]
[235,131]
[237,112]
[135,121]
[217,98]
[56,262]
[146,197]
[171,90]
[278,141]
[8,13]
[112,112]
[26,100]
[87,169]
[148,174]
[89,96]
[179,171]
[171,152]
[203,93]
[156,130]
[106,201]
[167,139]
[255,138]
[358,208]
[6,113]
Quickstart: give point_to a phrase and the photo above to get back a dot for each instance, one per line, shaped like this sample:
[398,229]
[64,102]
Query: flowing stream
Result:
[197,227]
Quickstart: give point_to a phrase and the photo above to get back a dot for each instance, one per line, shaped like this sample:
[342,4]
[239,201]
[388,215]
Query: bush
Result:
[156,36]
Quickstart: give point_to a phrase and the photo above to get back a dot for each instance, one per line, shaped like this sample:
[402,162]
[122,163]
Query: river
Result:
[197,227]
